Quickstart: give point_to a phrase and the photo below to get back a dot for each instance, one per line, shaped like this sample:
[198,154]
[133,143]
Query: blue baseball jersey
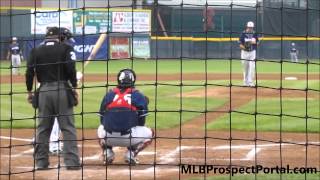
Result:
[246,36]
[293,50]
[120,110]
[14,49]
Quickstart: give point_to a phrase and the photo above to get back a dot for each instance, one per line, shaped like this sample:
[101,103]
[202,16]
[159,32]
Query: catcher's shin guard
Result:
[144,144]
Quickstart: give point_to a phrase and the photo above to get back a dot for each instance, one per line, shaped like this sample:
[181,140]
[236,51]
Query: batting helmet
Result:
[66,34]
[126,78]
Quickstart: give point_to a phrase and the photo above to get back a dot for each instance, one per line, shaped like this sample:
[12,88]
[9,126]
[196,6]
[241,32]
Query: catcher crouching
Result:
[122,120]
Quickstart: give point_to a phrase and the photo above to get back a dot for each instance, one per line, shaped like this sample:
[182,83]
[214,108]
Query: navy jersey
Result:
[122,110]
[293,50]
[246,37]
[14,49]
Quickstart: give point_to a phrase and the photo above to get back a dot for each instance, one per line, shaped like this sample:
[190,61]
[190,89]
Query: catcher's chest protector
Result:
[122,100]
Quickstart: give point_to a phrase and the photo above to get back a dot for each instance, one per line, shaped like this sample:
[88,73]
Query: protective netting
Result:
[209,121]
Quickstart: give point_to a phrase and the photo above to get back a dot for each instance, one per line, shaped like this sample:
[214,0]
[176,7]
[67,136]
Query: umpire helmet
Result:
[52,31]
[126,78]
[62,33]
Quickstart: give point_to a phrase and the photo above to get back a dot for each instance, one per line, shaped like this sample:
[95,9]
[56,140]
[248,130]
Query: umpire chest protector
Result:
[122,100]
[120,114]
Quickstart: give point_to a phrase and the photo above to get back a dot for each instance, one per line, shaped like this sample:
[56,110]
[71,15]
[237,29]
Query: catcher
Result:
[248,45]
[123,111]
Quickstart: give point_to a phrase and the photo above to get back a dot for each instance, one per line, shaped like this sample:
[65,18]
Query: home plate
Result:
[290,78]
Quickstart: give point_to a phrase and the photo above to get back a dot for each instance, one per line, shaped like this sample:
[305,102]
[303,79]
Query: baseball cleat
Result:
[130,159]
[108,156]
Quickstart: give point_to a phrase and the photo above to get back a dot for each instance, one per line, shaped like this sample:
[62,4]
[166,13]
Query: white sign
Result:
[122,22]
[43,19]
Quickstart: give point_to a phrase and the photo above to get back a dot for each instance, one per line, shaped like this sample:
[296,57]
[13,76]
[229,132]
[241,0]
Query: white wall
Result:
[88,3]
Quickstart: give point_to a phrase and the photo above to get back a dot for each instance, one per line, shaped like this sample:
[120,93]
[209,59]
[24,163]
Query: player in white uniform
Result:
[248,44]
[14,54]
[294,53]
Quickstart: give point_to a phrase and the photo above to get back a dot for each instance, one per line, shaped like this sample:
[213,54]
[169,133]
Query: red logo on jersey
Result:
[122,99]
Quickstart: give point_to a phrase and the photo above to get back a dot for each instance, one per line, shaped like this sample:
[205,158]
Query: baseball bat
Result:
[96,48]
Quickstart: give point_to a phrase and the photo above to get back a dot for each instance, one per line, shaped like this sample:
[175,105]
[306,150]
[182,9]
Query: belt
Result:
[122,133]
[249,50]
[53,83]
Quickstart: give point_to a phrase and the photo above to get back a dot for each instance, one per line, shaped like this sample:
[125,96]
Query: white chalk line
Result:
[18,139]
[171,156]
[251,154]
[94,157]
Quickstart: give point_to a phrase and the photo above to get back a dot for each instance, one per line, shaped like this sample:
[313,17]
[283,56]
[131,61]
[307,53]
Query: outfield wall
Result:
[197,43]
[195,49]
[268,49]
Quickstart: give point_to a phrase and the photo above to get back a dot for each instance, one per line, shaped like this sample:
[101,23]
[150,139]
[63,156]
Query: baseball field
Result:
[201,114]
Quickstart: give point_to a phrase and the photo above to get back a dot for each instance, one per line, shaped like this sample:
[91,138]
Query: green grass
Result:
[272,121]
[187,66]
[167,100]
[265,177]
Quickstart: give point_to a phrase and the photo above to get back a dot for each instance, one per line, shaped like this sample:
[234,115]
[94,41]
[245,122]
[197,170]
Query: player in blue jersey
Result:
[123,111]
[294,53]
[15,55]
[248,44]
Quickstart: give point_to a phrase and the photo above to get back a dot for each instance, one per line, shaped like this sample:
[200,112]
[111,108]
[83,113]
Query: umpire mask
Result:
[126,78]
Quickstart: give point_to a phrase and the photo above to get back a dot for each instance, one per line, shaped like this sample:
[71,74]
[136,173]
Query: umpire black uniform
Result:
[54,66]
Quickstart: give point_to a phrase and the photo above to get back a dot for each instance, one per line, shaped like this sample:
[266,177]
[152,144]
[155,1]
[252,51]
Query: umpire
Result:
[54,66]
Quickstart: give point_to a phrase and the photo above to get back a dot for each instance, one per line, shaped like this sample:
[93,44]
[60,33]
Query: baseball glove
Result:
[147,99]
[248,46]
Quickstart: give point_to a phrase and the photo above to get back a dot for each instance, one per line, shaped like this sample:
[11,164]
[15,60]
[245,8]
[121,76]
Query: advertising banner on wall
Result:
[40,20]
[141,47]
[119,48]
[94,22]
[83,47]
[122,22]
[85,44]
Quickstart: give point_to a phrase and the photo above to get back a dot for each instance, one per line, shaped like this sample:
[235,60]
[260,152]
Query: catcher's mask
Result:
[126,78]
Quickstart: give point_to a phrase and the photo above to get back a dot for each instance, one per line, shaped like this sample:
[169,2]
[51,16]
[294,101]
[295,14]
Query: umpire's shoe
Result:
[42,166]
[108,156]
[73,168]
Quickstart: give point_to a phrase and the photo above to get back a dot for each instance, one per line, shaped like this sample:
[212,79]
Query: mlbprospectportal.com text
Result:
[258,169]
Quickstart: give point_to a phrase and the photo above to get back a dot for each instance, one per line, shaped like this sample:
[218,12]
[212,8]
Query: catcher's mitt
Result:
[248,46]
[147,99]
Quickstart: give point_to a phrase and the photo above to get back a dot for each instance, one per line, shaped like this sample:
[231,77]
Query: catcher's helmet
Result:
[126,78]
